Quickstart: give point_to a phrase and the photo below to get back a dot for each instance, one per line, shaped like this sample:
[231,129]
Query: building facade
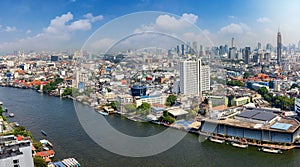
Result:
[194,77]
[15,153]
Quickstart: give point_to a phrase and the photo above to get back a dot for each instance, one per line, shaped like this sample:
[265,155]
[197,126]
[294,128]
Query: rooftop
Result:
[257,115]
[251,125]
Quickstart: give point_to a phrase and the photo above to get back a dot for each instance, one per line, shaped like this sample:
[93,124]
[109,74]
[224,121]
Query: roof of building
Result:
[251,125]
[257,115]
[281,126]
[45,153]
[177,112]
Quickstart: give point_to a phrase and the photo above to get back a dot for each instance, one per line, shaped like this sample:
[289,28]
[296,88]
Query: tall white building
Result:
[194,77]
[15,153]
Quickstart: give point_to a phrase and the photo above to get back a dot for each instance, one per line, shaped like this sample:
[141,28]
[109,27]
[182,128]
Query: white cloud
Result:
[80,25]
[10,29]
[28,31]
[263,20]
[232,17]
[190,18]
[56,35]
[167,23]
[92,18]
[234,28]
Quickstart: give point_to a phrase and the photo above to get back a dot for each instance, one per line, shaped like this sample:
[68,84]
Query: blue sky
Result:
[37,25]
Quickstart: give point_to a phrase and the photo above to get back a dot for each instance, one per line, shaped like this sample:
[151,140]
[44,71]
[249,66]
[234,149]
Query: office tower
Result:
[279,47]
[194,77]
[182,49]
[195,48]
[177,49]
[268,47]
[299,45]
[247,54]
[232,53]
[226,49]
[259,46]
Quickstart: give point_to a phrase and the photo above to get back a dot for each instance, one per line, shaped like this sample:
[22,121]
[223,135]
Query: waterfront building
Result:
[194,77]
[158,99]
[279,47]
[15,153]
[255,125]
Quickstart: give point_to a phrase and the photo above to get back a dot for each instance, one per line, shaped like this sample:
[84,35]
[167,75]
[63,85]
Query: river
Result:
[58,118]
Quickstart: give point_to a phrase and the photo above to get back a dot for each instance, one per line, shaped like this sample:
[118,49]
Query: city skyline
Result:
[67,24]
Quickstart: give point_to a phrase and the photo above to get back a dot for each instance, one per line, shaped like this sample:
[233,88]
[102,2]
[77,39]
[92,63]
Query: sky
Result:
[50,25]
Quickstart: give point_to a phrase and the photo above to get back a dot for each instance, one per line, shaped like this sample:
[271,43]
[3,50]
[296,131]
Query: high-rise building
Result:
[299,45]
[182,49]
[232,42]
[195,48]
[232,53]
[194,77]
[15,153]
[259,46]
[279,47]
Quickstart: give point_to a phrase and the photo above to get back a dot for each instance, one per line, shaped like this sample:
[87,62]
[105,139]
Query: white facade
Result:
[194,77]
[16,153]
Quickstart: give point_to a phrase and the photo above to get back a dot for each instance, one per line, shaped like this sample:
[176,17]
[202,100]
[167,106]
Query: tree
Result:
[38,146]
[144,109]
[67,91]
[39,162]
[262,91]
[246,75]
[115,105]
[171,100]
[294,86]
[130,107]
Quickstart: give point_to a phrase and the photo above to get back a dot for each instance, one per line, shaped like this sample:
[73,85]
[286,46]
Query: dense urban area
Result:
[243,96]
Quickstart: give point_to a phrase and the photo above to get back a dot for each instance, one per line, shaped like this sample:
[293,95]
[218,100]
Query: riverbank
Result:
[186,126]
[42,150]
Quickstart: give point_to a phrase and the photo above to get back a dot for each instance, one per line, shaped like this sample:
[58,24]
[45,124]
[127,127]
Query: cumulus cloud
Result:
[57,32]
[28,31]
[170,23]
[10,29]
[234,28]
[232,17]
[263,20]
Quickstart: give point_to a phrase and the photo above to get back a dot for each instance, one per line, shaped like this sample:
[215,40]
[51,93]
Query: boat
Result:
[17,124]
[43,132]
[240,145]
[11,114]
[268,150]
[103,113]
[216,140]
[46,142]
[45,148]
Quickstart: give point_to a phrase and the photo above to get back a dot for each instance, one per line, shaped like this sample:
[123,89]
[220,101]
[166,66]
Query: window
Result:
[16,165]
[16,161]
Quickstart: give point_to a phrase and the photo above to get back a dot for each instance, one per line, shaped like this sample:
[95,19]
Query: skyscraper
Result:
[279,46]
[182,49]
[194,77]
[247,54]
[299,45]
